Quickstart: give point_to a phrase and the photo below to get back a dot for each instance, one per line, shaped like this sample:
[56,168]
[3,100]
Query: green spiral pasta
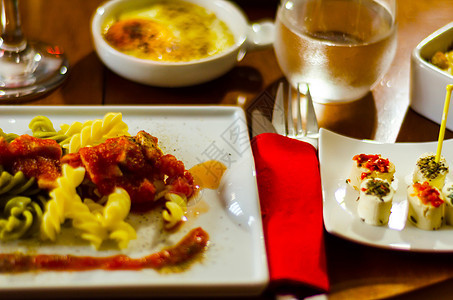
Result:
[21,218]
[41,123]
[17,184]
[42,128]
[8,136]
[21,204]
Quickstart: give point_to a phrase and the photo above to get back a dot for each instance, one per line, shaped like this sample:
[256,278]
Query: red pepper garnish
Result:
[372,162]
[428,194]
[364,175]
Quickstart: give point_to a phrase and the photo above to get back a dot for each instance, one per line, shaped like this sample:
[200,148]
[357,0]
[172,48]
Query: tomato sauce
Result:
[39,158]
[133,163]
[193,244]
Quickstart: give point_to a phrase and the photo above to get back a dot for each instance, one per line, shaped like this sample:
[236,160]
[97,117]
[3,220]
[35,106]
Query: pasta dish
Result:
[91,175]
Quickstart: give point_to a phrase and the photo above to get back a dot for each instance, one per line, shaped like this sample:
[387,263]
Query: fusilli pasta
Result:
[99,223]
[8,136]
[95,222]
[21,205]
[25,209]
[115,211]
[41,123]
[42,127]
[17,184]
[60,199]
[175,210]
[22,217]
[88,223]
[93,132]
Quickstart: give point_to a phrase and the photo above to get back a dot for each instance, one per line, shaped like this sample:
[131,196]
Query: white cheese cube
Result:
[370,166]
[375,201]
[448,195]
[427,169]
[426,206]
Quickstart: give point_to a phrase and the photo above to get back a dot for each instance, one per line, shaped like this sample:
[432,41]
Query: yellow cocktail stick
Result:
[444,122]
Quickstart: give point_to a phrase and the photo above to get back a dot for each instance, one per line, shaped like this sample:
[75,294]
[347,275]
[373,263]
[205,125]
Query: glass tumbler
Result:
[341,48]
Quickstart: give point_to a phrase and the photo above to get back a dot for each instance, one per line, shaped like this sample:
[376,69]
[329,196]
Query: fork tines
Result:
[305,125]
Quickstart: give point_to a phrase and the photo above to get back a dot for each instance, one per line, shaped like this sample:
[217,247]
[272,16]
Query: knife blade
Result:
[260,123]
[260,113]
[312,122]
[278,115]
[270,116]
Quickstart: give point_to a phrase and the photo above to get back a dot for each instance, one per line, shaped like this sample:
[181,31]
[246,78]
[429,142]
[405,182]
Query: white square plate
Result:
[340,205]
[235,261]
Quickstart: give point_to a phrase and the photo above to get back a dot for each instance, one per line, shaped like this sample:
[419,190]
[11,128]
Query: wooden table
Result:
[356,271]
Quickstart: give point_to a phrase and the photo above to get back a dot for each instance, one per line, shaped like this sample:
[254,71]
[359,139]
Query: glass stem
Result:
[12,38]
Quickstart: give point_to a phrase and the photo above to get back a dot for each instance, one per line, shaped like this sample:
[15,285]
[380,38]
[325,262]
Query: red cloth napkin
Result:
[289,186]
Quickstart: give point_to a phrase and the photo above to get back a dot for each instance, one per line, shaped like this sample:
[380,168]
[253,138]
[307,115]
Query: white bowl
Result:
[177,74]
[428,82]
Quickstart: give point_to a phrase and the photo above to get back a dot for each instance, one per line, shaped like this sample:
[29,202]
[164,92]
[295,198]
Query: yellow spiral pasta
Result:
[117,208]
[60,199]
[175,210]
[93,132]
[105,222]
[87,223]
[96,223]
[115,211]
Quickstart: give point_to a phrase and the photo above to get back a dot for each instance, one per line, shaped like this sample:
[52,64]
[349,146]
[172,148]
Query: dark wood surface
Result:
[356,271]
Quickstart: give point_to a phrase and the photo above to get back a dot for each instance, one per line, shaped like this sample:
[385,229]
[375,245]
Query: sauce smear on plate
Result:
[189,247]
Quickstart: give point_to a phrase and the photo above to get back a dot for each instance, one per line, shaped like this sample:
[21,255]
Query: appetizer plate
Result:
[235,260]
[340,200]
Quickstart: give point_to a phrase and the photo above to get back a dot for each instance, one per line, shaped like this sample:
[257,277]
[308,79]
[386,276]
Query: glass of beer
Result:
[341,48]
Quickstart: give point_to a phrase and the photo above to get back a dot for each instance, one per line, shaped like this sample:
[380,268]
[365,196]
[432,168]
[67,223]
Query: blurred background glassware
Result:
[28,69]
[341,48]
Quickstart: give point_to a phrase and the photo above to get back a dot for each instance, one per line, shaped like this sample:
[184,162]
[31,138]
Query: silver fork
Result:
[306,128]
